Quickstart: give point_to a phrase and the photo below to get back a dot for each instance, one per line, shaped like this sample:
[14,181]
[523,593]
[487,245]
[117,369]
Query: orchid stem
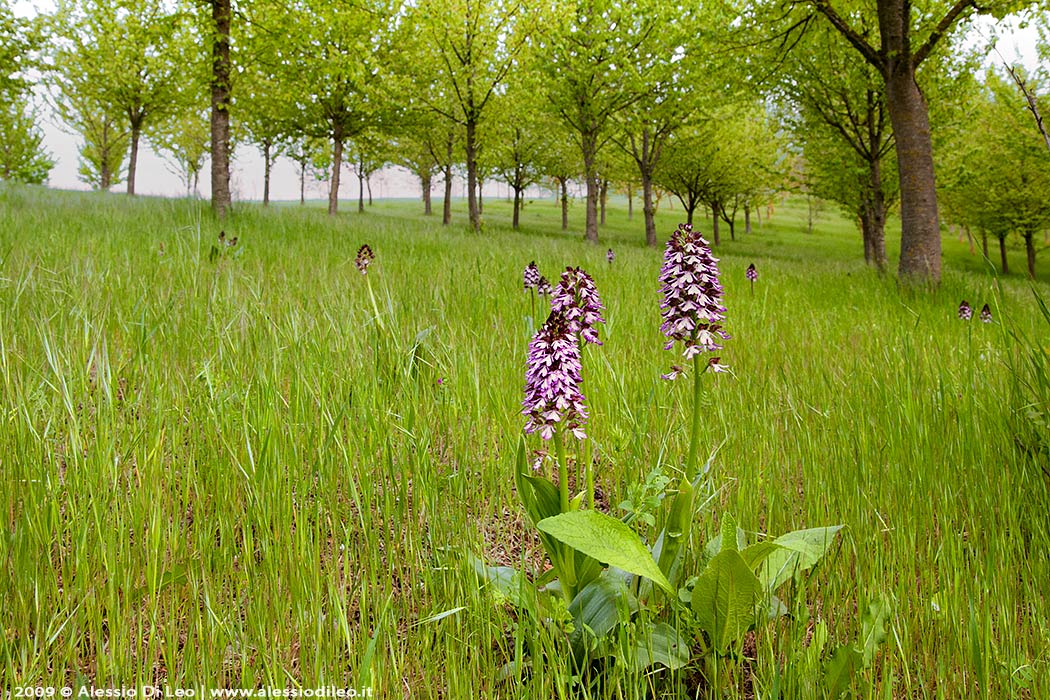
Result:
[563,476]
[694,438]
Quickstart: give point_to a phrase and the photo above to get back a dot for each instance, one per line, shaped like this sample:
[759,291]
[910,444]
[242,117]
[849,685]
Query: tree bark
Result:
[1002,255]
[714,226]
[368,188]
[360,191]
[984,244]
[1029,249]
[590,172]
[337,166]
[517,206]
[747,218]
[302,184]
[648,210]
[630,203]
[133,158]
[564,182]
[220,113]
[266,173]
[446,212]
[472,176]
[426,180]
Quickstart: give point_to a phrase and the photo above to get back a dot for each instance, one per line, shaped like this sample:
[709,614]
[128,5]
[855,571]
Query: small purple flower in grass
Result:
[576,297]
[532,276]
[965,310]
[610,256]
[553,399]
[986,314]
[752,273]
[365,256]
[692,307]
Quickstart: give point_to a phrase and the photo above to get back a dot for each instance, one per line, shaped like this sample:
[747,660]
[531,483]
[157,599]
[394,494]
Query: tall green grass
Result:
[229,473]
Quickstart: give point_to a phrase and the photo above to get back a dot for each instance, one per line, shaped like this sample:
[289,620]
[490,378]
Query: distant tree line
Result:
[722,107]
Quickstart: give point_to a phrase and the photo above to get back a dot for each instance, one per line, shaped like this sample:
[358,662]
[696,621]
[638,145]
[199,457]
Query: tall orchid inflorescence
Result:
[531,276]
[553,400]
[576,298]
[692,307]
[610,256]
[965,310]
[364,258]
[543,287]
[986,314]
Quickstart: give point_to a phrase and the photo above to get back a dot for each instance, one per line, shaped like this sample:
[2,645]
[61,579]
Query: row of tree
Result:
[716,105]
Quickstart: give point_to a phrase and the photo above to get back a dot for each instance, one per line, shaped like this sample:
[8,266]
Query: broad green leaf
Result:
[606,539]
[800,550]
[599,605]
[662,645]
[758,553]
[714,545]
[841,669]
[669,547]
[724,599]
[873,628]
[730,534]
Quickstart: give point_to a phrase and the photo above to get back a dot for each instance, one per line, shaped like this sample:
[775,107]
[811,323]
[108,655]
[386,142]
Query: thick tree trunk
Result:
[220,112]
[266,173]
[368,188]
[133,158]
[472,176]
[517,206]
[747,218]
[590,173]
[1002,255]
[426,180]
[648,210]
[337,166]
[865,233]
[689,209]
[1029,249]
[302,184]
[920,226]
[879,211]
[481,199]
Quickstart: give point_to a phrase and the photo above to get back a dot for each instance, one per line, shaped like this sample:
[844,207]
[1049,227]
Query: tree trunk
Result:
[1002,255]
[564,181]
[630,203]
[518,195]
[302,184]
[337,166]
[984,244]
[481,200]
[133,158]
[590,174]
[648,210]
[689,209]
[266,173]
[809,208]
[220,113]
[865,232]
[472,176]
[368,188]
[426,179]
[446,213]
[879,211]
[920,228]
[360,191]
[1029,249]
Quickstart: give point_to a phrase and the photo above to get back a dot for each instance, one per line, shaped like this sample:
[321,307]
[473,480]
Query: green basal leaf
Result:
[841,669]
[661,644]
[799,551]
[724,599]
[873,628]
[606,539]
[729,532]
[602,604]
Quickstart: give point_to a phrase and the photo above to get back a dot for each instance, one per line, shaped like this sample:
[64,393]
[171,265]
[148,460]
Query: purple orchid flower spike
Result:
[553,400]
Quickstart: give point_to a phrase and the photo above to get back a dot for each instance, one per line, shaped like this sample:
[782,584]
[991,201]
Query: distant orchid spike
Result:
[752,273]
[692,307]
[576,297]
[610,256]
[532,276]
[986,314]
[553,399]
[231,242]
[965,310]
[364,258]
[543,287]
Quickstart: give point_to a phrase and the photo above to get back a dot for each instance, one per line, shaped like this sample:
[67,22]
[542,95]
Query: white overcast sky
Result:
[158,176]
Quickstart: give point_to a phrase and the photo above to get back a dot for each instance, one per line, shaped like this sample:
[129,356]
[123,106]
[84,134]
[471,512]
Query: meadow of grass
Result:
[230,472]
